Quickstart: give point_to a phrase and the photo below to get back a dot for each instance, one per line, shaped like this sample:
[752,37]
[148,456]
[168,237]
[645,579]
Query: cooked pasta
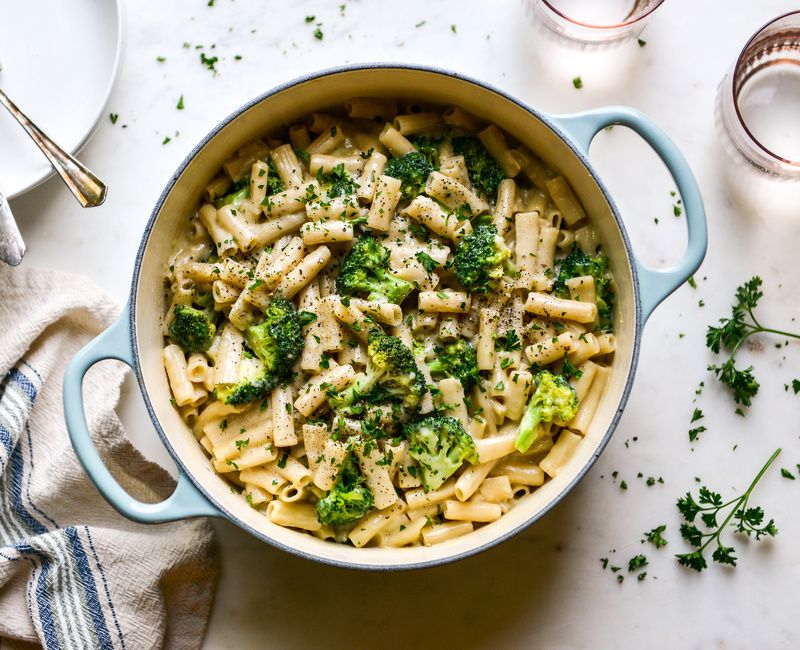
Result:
[388,327]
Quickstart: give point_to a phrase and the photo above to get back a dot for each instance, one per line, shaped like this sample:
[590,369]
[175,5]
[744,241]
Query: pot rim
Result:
[632,266]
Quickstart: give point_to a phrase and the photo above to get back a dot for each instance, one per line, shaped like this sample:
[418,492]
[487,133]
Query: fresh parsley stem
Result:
[724,505]
[763,470]
[752,315]
[780,332]
[758,330]
[742,502]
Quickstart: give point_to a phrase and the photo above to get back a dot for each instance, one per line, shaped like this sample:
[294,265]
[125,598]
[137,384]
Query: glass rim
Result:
[735,94]
[624,23]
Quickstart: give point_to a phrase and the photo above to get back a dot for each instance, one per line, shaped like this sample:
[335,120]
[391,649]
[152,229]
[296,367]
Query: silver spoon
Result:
[84,185]
[12,247]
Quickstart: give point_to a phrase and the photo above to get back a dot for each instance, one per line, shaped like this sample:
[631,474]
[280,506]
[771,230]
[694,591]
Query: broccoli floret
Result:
[204,300]
[276,343]
[192,329]
[577,264]
[484,172]
[392,376]
[412,170]
[238,193]
[366,270]
[456,359]
[440,445]
[252,383]
[481,259]
[278,340]
[428,147]
[349,498]
[553,399]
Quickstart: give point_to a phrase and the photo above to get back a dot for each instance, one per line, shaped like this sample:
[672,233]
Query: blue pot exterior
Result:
[576,131]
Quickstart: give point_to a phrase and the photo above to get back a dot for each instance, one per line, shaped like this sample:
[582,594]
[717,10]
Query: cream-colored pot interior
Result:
[279,109]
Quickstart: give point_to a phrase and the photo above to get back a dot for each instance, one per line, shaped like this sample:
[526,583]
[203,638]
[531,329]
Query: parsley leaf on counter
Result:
[693,433]
[709,506]
[729,335]
[209,61]
[655,537]
[637,562]
[577,82]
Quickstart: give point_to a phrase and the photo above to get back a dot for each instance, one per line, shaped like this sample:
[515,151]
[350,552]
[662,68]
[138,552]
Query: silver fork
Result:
[84,185]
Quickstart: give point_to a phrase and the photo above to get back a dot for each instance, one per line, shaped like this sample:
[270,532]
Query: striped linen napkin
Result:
[73,572]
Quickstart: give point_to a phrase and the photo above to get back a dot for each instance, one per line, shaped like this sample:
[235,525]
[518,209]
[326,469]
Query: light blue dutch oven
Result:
[562,140]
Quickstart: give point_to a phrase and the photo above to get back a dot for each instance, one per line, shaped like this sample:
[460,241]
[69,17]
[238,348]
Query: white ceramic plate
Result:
[59,62]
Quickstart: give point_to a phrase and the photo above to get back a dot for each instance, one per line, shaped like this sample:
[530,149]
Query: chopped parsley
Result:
[509,341]
[209,61]
[637,562]
[306,318]
[427,261]
[655,536]
[693,433]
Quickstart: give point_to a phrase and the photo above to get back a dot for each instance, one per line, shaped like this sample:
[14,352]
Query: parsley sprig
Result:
[731,333]
[709,506]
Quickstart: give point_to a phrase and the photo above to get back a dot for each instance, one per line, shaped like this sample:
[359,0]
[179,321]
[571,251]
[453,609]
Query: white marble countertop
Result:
[546,587]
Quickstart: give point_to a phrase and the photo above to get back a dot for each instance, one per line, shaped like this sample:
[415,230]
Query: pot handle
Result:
[654,284]
[115,343]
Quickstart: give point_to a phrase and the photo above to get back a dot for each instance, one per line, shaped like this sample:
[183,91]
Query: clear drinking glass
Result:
[758,103]
[593,23]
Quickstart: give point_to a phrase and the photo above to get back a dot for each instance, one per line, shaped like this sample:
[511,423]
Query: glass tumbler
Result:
[758,102]
[592,24]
